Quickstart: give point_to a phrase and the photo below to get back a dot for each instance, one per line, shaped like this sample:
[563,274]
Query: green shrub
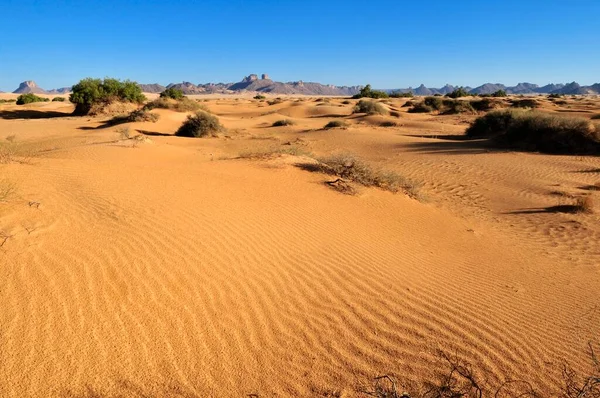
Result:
[89,92]
[369,107]
[30,98]
[499,93]
[555,95]
[484,104]
[201,124]
[7,101]
[283,122]
[525,103]
[399,94]
[367,92]
[459,92]
[173,93]
[535,131]
[420,107]
[458,106]
[259,97]
[183,105]
[58,99]
[335,124]
[436,103]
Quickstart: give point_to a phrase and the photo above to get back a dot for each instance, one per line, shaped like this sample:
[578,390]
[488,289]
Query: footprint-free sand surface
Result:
[175,267]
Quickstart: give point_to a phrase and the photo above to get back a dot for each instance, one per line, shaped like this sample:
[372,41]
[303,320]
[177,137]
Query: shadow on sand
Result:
[31,114]
[450,144]
[571,209]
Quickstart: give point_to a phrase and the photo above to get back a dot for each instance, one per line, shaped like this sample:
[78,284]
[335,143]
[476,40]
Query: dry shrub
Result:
[336,124]
[388,123]
[284,122]
[350,168]
[183,105]
[201,124]
[535,131]
[143,115]
[584,204]
[370,107]
[111,108]
[395,114]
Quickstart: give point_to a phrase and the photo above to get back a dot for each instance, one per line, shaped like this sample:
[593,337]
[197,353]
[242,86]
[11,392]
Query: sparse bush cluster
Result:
[400,94]
[368,92]
[139,115]
[58,99]
[30,98]
[173,93]
[182,105]
[535,131]
[459,92]
[7,101]
[89,93]
[201,124]
[447,106]
[370,107]
[259,97]
[525,103]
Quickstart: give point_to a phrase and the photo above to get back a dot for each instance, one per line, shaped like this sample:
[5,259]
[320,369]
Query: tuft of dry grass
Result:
[370,107]
[584,204]
[183,105]
[350,168]
[336,124]
[273,152]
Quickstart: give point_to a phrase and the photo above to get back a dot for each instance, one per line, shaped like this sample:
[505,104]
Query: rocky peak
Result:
[250,78]
[28,86]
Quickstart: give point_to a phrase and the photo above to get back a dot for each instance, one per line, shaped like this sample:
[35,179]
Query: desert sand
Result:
[169,266]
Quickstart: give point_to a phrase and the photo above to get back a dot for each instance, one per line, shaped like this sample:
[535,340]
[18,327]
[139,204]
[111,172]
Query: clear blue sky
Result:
[389,44]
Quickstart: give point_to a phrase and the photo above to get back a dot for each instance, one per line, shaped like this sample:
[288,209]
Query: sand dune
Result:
[175,268]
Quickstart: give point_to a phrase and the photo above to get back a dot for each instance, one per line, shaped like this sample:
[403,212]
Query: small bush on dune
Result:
[139,115]
[554,96]
[484,104]
[595,117]
[458,106]
[346,102]
[395,114]
[259,97]
[30,98]
[58,99]
[89,93]
[335,124]
[420,107]
[537,131]
[499,93]
[201,124]
[7,101]
[388,123]
[183,105]
[525,103]
[173,93]
[283,122]
[369,107]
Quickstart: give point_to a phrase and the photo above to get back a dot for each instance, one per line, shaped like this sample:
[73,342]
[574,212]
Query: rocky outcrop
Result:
[154,88]
[265,77]
[250,78]
[29,86]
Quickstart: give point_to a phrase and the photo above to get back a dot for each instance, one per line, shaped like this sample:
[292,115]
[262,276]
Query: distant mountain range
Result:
[252,83]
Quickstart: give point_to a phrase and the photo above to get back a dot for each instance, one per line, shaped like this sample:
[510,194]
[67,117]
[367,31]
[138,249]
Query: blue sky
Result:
[389,44]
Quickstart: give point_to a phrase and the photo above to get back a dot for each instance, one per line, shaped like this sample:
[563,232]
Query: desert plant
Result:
[484,104]
[275,101]
[499,93]
[346,102]
[596,116]
[420,107]
[335,124]
[400,94]
[368,92]
[58,99]
[525,103]
[143,115]
[458,106]
[584,204]
[369,107]
[201,124]
[531,130]
[459,92]
[183,105]
[259,97]
[395,114]
[30,98]
[89,92]
[388,123]
[283,122]
[173,93]
[555,95]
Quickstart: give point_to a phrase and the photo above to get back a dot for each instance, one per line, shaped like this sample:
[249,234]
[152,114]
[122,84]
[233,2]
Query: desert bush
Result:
[584,204]
[595,117]
[399,94]
[436,103]
[346,102]
[283,122]
[275,101]
[183,105]
[7,101]
[58,99]
[525,103]
[335,124]
[555,95]
[395,114]
[173,93]
[201,124]
[369,107]
[367,92]
[531,130]
[89,92]
[459,92]
[388,123]
[484,104]
[259,97]
[30,98]
[420,107]
[458,106]
[138,115]
[349,167]
[499,93]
